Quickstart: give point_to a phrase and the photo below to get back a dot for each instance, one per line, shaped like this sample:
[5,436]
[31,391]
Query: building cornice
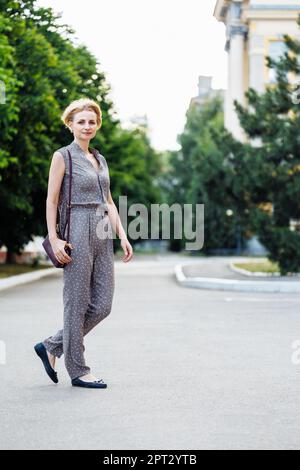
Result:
[266,6]
[271,12]
[257,11]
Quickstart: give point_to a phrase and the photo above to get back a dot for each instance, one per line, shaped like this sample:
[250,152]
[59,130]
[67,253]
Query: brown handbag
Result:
[46,243]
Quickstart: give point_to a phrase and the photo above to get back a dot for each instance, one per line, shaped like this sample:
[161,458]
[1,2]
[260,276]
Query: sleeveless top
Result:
[89,186]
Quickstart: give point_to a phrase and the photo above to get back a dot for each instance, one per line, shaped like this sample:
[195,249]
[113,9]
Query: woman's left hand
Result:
[128,251]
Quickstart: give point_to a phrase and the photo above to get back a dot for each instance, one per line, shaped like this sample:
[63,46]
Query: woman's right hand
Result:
[58,247]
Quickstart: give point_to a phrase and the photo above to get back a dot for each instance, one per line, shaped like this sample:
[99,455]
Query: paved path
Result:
[211,267]
[186,368]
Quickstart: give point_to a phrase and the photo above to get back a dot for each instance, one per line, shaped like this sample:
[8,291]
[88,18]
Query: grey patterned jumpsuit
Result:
[89,278]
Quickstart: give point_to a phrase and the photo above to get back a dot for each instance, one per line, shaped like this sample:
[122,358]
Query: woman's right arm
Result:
[56,175]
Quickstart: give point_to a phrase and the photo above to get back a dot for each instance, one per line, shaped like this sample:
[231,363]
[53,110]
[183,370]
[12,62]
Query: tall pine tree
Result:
[270,172]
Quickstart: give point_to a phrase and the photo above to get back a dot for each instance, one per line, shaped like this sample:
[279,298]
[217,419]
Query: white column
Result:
[228,107]
[236,79]
[236,34]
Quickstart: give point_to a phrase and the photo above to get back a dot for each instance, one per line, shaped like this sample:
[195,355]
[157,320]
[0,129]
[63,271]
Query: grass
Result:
[7,270]
[263,267]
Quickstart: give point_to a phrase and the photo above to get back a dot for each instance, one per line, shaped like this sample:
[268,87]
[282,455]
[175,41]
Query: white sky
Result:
[152,52]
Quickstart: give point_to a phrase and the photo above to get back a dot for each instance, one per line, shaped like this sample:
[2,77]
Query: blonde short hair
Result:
[83,104]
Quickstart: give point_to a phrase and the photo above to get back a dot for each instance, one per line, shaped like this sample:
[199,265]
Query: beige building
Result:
[254,30]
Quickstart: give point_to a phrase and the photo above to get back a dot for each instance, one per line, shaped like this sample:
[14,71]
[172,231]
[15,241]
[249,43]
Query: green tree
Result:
[201,174]
[9,87]
[43,71]
[272,168]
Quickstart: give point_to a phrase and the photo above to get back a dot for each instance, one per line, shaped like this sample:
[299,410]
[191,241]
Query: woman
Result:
[88,273]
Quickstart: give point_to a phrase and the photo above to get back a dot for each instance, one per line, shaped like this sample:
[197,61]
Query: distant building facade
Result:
[254,30]
[205,92]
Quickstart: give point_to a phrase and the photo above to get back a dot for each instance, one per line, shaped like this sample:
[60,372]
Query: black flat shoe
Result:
[42,353]
[96,384]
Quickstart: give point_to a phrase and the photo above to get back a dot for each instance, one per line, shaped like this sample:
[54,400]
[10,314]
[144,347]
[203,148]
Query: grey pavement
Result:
[186,368]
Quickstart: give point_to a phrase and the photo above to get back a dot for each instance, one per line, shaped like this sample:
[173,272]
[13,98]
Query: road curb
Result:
[20,279]
[235,284]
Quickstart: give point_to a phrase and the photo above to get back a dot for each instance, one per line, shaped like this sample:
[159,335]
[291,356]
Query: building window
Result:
[276,49]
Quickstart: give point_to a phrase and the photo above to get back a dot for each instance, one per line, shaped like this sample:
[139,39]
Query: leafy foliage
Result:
[43,71]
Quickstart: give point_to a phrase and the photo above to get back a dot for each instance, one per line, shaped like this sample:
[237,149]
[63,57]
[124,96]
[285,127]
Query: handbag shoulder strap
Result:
[69,201]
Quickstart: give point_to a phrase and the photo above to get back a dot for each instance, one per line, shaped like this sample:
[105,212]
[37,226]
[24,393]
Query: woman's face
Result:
[84,125]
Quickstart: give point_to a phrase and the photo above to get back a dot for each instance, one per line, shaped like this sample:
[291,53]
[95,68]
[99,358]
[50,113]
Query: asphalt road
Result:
[186,368]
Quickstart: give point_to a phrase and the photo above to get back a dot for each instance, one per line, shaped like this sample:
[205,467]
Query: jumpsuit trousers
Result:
[88,287]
